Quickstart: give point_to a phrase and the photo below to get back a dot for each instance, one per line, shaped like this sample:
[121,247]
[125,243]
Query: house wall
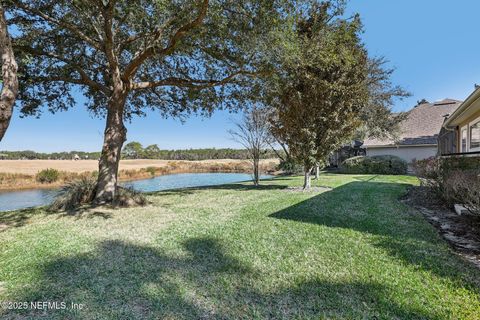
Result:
[408,154]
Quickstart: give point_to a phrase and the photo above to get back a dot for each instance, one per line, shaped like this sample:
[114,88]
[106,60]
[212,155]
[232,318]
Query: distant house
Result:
[418,137]
[460,132]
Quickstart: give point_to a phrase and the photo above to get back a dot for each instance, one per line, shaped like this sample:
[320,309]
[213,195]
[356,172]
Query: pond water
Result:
[14,200]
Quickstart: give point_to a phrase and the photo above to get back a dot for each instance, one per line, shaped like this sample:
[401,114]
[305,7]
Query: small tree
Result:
[152,151]
[327,87]
[9,76]
[253,132]
[133,150]
[322,87]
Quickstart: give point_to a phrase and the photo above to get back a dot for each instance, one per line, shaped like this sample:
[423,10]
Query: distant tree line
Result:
[148,152]
[135,150]
[32,155]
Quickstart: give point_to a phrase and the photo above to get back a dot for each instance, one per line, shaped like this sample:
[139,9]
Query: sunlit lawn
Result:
[235,251]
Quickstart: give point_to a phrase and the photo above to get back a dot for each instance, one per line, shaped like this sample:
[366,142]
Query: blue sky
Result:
[433,44]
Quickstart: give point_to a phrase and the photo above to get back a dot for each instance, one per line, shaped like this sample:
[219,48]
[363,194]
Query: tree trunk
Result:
[9,76]
[317,172]
[114,137]
[256,175]
[307,181]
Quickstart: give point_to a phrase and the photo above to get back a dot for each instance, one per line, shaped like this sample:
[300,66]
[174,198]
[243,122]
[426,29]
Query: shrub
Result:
[427,168]
[129,197]
[463,187]
[375,165]
[82,192]
[75,194]
[47,176]
[289,166]
[355,165]
[151,170]
[452,182]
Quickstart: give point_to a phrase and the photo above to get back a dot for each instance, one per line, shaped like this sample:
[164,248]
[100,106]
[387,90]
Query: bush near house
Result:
[426,168]
[453,179]
[464,187]
[375,165]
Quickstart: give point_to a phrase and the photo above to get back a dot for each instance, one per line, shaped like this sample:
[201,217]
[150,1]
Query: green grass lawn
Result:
[235,251]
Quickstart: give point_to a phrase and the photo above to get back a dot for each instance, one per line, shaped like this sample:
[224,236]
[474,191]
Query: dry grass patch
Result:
[21,174]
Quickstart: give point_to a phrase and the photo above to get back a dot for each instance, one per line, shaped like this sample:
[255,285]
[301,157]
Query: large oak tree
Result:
[125,57]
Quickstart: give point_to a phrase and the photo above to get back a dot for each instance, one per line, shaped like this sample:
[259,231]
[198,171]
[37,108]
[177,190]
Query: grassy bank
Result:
[235,251]
[21,174]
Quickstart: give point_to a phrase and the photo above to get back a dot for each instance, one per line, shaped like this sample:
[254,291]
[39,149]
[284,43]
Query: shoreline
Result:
[11,182]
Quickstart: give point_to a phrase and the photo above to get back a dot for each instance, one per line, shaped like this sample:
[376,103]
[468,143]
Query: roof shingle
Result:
[422,125]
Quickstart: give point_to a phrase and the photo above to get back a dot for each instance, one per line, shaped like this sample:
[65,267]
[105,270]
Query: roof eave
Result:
[474,96]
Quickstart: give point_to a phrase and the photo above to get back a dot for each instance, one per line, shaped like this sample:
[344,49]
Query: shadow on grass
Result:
[15,219]
[231,186]
[374,208]
[127,281]
[88,212]
[20,218]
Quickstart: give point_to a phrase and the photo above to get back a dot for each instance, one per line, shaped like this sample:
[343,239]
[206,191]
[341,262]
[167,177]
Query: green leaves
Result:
[321,88]
[188,43]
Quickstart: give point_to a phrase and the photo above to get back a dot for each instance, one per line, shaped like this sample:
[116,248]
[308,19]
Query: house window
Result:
[475,135]
[464,139]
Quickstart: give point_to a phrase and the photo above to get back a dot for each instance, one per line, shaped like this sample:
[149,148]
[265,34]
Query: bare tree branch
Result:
[253,132]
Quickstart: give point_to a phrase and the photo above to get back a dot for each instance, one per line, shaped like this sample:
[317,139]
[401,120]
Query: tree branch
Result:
[107,13]
[59,79]
[189,82]
[150,50]
[86,80]
[71,27]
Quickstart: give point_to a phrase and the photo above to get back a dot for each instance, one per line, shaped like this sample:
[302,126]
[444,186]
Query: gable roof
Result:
[422,125]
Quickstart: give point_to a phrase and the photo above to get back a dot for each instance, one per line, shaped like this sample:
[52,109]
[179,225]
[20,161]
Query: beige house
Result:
[418,138]
[461,131]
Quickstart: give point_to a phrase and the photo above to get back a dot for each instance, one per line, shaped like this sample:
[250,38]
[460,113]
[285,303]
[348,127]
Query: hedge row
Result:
[375,165]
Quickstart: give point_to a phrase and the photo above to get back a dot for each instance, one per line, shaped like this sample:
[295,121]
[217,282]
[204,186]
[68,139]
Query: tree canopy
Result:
[328,87]
[176,57]
[172,56]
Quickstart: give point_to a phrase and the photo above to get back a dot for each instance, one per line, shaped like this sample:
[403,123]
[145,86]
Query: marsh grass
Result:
[9,181]
[241,252]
